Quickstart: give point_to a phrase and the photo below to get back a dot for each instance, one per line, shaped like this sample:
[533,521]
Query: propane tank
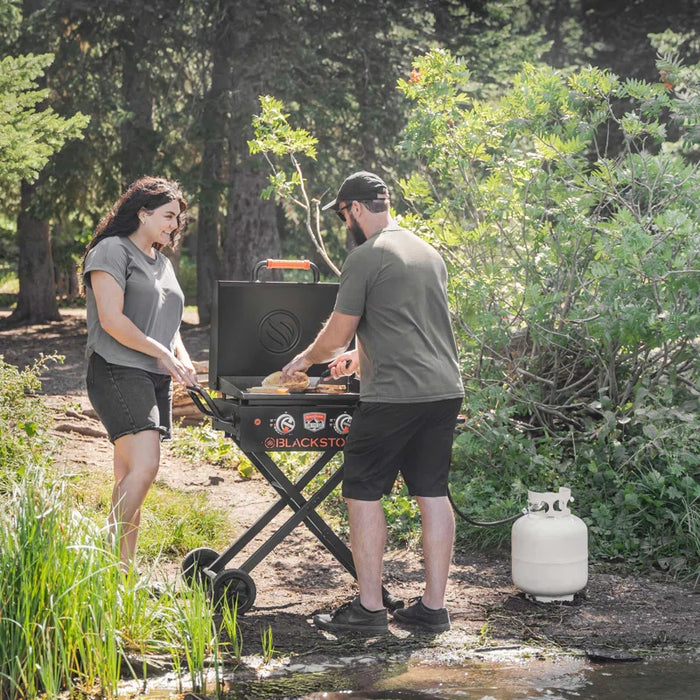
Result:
[549,548]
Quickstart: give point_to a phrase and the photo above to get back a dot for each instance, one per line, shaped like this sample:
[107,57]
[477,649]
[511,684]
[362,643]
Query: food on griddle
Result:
[268,389]
[329,389]
[275,383]
[297,382]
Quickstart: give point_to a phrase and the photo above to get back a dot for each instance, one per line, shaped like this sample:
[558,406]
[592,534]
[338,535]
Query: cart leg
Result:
[265,519]
[304,511]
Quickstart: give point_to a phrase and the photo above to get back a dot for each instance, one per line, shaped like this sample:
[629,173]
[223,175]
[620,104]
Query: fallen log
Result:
[80,429]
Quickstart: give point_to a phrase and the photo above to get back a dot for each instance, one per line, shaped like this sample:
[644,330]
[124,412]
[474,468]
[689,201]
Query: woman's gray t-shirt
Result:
[153,300]
[397,284]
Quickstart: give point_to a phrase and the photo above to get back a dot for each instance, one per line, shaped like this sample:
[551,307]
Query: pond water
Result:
[526,679]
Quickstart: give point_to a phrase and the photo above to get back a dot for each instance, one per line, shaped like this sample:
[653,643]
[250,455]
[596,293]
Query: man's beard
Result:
[356,232]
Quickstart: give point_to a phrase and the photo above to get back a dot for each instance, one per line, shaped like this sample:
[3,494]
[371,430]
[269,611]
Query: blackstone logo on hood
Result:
[279,331]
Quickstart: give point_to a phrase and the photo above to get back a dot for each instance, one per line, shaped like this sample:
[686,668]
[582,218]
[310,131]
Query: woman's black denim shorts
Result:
[129,400]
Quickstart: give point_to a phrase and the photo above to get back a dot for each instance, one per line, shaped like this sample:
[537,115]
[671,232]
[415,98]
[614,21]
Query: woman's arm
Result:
[109,298]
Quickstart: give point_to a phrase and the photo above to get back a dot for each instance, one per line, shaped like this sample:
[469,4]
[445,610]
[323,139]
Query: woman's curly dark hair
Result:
[146,193]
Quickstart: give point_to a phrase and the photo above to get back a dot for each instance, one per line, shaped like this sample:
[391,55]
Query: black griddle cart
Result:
[257,327]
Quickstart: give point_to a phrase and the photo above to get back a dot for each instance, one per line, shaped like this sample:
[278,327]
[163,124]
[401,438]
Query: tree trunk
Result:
[251,231]
[138,137]
[211,181]
[36,302]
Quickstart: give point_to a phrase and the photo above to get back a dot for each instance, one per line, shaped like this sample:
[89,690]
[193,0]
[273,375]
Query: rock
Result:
[611,656]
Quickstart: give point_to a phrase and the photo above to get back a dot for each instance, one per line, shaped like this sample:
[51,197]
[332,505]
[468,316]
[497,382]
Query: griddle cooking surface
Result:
[236,388]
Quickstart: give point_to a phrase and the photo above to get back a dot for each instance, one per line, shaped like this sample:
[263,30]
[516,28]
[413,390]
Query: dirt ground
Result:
[651,615]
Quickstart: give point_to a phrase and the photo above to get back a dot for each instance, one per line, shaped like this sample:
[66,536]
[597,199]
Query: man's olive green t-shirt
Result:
[397,284]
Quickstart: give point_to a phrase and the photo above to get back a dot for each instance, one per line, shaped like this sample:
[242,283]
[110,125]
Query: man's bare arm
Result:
[335,336]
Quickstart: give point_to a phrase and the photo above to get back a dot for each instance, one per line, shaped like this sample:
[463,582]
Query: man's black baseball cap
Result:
[361,186]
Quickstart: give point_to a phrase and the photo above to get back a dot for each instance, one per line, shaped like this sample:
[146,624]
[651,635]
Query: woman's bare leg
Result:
[136,461]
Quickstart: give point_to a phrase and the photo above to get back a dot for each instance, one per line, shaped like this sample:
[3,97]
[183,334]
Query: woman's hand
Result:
[181,372]
[183,357]
[190,374]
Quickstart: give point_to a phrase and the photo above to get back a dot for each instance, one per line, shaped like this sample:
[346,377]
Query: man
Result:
[393,297]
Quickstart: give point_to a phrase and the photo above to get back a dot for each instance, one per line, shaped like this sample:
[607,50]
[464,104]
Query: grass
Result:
[193,635]
[58,586]
[173,522]
[69,618]
[177,522]
[233,640]
[267,643]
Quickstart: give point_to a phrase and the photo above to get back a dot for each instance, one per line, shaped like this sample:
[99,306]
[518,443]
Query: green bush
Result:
[569,223]
[23,419]
[201,443]
[568,219]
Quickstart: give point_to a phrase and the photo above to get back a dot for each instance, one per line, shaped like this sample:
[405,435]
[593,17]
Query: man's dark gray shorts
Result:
[129,400]
[387,438]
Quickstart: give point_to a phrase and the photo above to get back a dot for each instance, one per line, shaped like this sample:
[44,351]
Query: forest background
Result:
[548,148]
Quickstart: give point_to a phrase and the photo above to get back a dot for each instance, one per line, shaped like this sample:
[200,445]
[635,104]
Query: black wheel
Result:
[236,588]
[193,564]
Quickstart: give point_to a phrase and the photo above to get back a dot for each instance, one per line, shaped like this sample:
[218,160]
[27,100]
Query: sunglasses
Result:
[340,210]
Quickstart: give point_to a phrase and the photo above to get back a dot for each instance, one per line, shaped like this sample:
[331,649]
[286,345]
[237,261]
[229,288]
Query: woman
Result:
[134,310]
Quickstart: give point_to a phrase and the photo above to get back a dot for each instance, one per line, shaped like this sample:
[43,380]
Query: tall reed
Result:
[267,643]
[70,620]
[194,637]
[233,643]
[59,594]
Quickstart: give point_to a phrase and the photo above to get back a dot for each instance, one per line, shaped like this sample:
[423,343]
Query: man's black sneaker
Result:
[417,615]
[352,617]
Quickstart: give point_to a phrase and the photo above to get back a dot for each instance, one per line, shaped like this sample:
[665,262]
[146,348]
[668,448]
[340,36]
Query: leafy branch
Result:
[276,140]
